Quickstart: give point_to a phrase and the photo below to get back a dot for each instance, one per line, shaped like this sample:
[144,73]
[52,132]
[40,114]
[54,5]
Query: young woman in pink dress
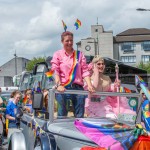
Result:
[103,106]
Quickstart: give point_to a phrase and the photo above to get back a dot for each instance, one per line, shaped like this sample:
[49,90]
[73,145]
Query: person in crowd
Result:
[42,114]
[1,123]
[0,90]
[143,95]
[12,95]
[27,100]
[11,109]
[2,118]
[145,111]
[100,106]
[70,69]
[3,105]
[45,100]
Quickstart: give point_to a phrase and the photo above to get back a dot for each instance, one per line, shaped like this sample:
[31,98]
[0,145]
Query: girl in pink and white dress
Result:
[105,106]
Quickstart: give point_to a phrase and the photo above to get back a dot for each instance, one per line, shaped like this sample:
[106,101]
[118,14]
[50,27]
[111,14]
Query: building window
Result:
[127,46]
[145,46]
[128,59]
[96,30]
[145,58]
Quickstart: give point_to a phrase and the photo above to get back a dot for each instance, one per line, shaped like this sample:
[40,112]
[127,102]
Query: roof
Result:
[134,31]
[133,35]
[131,38]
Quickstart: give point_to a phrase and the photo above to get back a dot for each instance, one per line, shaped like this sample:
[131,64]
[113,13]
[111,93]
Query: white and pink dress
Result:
[107,106]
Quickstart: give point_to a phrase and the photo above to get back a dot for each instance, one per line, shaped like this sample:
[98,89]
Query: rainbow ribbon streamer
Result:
[139,81]
[73,70]
[64,25]
[49,74]
[77,24]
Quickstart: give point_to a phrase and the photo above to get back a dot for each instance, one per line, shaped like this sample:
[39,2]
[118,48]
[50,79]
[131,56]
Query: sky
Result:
[32,28]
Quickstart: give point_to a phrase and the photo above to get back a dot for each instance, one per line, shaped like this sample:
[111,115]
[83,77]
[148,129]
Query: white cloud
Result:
[31,47]
[33,27]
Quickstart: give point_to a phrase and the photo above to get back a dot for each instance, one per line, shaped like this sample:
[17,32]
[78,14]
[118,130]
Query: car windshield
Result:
[6,95]
[121,107]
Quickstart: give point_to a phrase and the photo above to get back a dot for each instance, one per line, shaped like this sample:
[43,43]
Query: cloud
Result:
[33,27]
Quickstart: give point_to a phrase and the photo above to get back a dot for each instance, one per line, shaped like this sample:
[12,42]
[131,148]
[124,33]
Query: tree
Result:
[144,66]
[32,62]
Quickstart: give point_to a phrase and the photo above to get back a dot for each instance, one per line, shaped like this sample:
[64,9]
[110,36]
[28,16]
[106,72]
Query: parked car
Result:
[6,95]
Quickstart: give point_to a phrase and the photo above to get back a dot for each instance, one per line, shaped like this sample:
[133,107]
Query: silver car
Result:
[47,132]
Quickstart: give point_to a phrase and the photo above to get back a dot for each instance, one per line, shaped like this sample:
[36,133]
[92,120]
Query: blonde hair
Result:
[97,58]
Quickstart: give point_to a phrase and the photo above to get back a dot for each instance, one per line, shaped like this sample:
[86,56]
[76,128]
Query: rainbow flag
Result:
[139,81]
[77,24]
[127,90]
[72,73]
[92,148]
[120,137]
[64,25]
[49,74]
[25,100]
[146,114]
[124,90]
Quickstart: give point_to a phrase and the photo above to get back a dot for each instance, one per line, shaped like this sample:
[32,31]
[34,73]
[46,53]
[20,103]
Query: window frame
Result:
[128,44]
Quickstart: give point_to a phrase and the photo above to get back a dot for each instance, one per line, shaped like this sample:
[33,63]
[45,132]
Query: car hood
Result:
[67,128]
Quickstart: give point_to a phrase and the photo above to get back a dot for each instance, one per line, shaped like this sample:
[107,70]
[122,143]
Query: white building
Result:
[100,42]
[11,68]
[133,46]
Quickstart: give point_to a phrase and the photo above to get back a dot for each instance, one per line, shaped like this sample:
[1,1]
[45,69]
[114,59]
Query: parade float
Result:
[47,132]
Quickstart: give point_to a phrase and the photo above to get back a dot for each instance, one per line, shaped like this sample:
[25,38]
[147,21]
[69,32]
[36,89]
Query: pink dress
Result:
[107,106]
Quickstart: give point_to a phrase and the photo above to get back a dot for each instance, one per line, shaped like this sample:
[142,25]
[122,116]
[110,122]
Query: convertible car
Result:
[43,130]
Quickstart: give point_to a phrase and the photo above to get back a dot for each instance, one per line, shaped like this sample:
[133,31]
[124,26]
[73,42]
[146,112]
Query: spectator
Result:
[12,95]
[3,105]
[11,109]
[45,100]
[27,101]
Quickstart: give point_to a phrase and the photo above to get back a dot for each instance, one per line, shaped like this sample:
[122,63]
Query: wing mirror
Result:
[37,101]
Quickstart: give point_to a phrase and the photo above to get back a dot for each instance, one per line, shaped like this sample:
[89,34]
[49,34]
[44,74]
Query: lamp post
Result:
[15,63]
[97,40]
[142,9]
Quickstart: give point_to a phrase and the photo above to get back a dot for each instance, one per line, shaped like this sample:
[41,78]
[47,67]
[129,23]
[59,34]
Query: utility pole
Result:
[15,63]
[97,39]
